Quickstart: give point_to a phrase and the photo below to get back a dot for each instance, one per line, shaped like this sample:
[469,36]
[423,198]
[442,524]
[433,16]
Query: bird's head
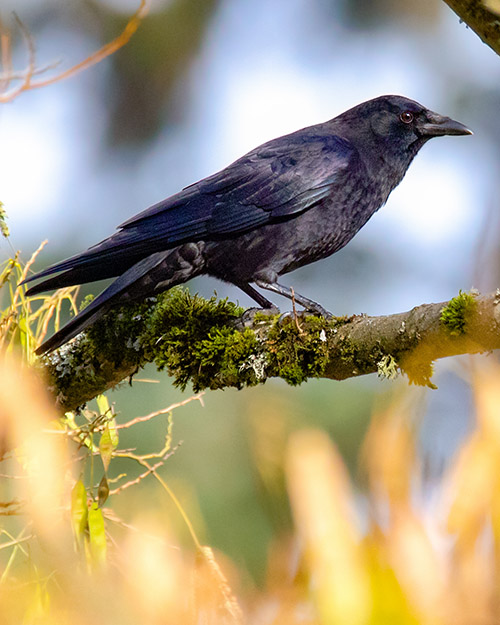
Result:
[395,126]
[406,121]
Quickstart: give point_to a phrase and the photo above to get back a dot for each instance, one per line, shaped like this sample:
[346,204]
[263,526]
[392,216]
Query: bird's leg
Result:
[258,297]
[268,308]
[308,304]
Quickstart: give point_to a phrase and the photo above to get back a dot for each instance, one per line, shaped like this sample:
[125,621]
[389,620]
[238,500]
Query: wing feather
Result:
[276,181]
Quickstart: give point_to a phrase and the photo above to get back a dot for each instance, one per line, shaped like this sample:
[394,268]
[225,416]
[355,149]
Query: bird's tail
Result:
[155,273]
[108,259]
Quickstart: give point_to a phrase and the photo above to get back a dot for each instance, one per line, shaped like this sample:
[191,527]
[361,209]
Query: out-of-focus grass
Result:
[393,554]
[24,322]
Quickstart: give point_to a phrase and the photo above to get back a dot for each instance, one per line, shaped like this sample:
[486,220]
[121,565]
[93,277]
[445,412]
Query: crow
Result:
[287,203]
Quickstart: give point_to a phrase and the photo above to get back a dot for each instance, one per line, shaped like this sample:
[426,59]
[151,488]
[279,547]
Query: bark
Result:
[482,16]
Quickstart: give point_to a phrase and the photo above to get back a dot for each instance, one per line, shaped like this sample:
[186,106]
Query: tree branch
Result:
[482,16]
[205,342]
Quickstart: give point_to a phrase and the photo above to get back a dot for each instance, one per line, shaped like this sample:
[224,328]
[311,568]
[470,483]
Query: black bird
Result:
[285,204]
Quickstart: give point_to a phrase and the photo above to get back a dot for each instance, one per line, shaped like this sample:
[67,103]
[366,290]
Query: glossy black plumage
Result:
[287,203]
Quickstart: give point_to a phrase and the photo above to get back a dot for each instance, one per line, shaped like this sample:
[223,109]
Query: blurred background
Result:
[201,83]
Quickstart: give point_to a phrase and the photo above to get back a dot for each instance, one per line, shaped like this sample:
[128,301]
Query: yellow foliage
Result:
[399,561]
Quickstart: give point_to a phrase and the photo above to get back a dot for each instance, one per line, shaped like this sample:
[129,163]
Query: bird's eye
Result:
[406,117]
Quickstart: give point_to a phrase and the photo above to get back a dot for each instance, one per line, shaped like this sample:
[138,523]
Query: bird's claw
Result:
[247,319]
[319,312]
[288,314]
[302,314]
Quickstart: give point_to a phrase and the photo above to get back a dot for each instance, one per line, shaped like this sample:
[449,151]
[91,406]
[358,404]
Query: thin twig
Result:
[26,77]
[15,541]
[102,53]
[140,477]
[9,77]
[24,272]
[6,58]
[30,44]
[152,415]
[295,316]
[28,74]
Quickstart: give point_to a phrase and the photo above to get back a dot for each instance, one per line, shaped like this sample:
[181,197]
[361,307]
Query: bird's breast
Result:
[280,247]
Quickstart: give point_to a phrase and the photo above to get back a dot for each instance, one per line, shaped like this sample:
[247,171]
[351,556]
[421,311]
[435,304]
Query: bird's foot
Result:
[317,311]
[303,314]
[250,317]
[299,316]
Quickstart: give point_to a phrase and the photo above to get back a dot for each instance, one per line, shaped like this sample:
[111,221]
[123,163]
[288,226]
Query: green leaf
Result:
[109,437]
[103,404]
[79,509]
[113,432]
[106,446]
[97,534]
[103,491]
[23,331]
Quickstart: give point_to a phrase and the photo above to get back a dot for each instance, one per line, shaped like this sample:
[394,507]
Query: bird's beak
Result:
[437,126]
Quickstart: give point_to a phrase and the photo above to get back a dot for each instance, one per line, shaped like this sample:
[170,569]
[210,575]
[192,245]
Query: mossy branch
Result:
[483,16]
[204,342]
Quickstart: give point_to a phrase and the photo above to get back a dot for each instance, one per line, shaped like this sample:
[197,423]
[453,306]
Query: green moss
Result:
[86,301]
[456,314]
[348,350]
[298,354]
[190,336]
[196,340]
[265,317]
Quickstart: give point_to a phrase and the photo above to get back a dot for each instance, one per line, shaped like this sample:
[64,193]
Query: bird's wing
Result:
[273,182]
[279,179]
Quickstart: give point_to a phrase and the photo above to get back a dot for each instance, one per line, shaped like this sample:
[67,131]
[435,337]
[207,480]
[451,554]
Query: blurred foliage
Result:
[145,73]
[392,555]
[24,322]
[366,13]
